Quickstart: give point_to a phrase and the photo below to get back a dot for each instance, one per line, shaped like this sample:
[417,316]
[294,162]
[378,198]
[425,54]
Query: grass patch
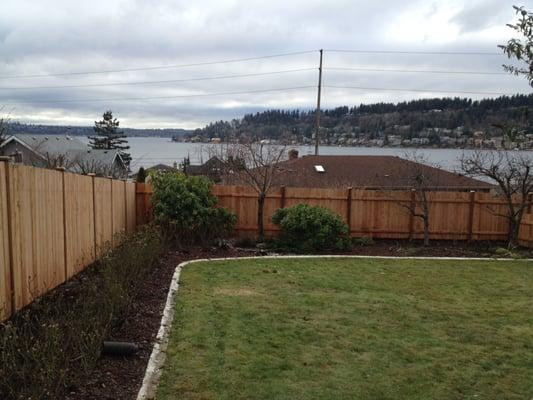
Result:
[352,329]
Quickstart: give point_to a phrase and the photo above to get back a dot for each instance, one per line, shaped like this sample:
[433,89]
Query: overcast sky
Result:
[49,37]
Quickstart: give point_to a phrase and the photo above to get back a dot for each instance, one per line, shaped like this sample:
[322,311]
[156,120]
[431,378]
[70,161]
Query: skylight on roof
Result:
[319,168]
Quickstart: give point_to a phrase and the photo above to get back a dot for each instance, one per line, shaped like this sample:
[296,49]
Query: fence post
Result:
[282,201]
[94,217]
[112,216]
[349,210]
[139,203]
[11,299]
[65,247]
[125,207]
[529,200]
[411,214]
[471,205]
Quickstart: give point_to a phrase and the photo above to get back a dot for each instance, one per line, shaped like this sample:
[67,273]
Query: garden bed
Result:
[438,248]
[118,377]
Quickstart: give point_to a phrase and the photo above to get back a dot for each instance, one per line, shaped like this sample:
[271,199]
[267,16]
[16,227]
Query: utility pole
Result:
[317,129]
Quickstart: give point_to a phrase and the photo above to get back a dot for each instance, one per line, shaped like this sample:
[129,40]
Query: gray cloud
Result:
[49,36]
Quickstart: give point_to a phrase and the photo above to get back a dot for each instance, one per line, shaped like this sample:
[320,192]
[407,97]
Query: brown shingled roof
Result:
[367,171]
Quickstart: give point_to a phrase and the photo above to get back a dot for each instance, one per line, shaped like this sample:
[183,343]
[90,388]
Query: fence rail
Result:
[52,225]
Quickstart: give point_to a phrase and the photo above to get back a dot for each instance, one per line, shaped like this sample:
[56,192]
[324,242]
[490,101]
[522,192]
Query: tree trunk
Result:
[260,217]
[426,231]
[512,234]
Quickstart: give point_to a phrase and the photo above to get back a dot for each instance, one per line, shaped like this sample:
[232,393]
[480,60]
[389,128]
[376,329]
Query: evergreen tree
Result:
[141,175]
[108,137]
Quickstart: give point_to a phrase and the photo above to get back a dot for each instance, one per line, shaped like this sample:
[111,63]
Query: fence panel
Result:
[131,213]
[487,224]
[119,207]
[5,266]
[379,214]
[242,201]
[526,231]
[36,220]
[79,222]
[103,214]
[449,216]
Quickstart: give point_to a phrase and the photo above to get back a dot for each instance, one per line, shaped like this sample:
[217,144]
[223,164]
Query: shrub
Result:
[307,228]
[185,207]
[58,338]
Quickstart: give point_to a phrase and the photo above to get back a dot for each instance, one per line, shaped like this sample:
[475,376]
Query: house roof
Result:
[384,172]
[72,147]
[161,167]
[212,166]
[51,144]
[104,157]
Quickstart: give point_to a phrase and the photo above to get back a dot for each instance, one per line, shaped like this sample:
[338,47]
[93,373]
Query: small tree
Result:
[512,172]
[521,49]
[107,136]
[97,167]
[420,182]
[254,164]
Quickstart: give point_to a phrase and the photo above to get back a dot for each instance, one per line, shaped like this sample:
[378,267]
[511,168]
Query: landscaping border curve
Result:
[157,359]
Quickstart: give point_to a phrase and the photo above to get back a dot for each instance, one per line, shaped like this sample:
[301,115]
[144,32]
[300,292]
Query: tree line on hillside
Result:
[415,118]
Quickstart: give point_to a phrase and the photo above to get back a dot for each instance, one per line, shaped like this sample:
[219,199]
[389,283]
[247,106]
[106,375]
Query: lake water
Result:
[148,151]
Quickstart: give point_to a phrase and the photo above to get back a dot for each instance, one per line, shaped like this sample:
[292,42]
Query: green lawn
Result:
[352,329]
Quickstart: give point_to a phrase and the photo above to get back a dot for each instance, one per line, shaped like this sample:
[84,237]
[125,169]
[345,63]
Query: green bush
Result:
[58,338]
[307,228]
[185,207]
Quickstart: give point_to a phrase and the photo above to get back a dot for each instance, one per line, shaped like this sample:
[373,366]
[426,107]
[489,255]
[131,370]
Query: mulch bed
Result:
[440,248]
[120,378]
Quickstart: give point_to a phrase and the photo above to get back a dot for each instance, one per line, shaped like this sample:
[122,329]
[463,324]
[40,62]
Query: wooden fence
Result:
[379,214]
[52,225]
[373,213]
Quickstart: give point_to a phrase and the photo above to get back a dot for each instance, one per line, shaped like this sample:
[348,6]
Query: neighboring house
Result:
[100,162]
[159,168]
[53,151]
[211,169]
[370,172]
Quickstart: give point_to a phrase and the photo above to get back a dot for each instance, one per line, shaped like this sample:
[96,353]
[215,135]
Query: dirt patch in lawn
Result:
[118,377]
[236,292]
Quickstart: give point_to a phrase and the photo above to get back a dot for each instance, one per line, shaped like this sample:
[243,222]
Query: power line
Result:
[447,53]
[419,90]
[158,82]
[172,97]
[158,67]
[363,69]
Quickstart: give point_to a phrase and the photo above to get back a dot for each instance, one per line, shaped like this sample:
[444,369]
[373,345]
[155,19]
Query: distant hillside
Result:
[16,127]
[444,122]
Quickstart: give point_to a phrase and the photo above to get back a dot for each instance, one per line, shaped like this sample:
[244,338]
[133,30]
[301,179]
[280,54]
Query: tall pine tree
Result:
[107,137]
